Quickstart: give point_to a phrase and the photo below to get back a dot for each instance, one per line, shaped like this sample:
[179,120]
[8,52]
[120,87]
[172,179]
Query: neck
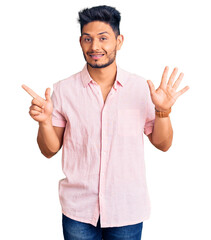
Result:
[105,77]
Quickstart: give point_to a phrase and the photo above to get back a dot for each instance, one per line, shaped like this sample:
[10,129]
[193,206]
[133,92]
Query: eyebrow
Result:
[97,34]
[102,33]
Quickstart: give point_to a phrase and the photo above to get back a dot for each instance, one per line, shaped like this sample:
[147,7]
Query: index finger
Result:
[32,93]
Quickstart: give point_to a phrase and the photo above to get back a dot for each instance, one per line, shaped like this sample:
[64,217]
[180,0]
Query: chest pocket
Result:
[129,122]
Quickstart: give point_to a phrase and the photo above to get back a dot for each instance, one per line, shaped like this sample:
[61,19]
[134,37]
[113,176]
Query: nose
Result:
[95,45]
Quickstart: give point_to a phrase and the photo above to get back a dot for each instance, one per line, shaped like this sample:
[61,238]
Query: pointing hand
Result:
[40,109]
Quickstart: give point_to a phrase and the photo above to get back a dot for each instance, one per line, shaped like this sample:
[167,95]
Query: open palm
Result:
[165,95]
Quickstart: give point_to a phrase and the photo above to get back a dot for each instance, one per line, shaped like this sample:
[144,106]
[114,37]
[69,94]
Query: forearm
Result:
[47,139]
[162,134]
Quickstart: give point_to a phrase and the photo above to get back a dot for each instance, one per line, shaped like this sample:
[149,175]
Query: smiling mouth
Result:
[96,56]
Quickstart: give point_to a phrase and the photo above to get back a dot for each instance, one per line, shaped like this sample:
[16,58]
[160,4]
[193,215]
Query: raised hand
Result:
[165,95]
[40,109]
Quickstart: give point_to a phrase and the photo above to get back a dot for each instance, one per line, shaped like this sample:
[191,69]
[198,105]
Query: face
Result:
[99,44]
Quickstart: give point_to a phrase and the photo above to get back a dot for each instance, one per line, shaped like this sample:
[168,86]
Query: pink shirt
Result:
[103,149]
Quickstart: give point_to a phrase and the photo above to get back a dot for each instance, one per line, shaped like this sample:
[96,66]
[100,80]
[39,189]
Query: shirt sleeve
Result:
[58,119]
[150,114]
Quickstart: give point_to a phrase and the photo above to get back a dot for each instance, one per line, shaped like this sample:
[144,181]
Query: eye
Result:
[103,38]
[87,39]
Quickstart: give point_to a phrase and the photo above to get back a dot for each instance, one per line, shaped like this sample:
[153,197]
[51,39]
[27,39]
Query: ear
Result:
[80,40]
[120,40]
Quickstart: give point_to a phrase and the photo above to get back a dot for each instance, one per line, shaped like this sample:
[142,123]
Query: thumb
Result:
[151,86]
[47,94]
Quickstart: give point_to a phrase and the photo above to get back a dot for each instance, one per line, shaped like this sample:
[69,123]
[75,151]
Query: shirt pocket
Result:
[128,122]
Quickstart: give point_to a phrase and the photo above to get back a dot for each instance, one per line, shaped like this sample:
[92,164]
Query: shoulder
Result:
[66,82]
[134,78]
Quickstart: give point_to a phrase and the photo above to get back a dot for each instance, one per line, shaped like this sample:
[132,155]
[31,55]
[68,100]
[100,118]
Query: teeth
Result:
[96,56]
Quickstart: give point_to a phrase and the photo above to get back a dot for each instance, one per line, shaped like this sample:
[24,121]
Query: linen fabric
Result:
[103,148]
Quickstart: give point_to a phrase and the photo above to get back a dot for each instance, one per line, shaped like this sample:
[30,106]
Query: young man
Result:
[99,115]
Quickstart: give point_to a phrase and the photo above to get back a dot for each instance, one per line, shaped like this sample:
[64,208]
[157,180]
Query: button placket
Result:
[103,154]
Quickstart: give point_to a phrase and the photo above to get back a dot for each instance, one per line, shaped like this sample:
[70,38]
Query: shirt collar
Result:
[120,77]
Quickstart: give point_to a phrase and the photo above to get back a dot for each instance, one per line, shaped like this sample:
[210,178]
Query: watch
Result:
[162,114]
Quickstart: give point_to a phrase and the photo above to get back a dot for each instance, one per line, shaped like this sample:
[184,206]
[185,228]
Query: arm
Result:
[162,134]
[49,138]
[164,98]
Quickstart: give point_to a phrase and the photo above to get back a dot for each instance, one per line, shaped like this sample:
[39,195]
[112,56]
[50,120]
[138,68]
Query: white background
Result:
[39,46]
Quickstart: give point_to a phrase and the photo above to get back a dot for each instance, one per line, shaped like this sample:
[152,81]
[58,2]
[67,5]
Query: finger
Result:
[164,77]
[47,94]
[34,107]
[151,86]
[37,103]
[34,113]
[177,83]
[172,77]
[32,93]
[185,89]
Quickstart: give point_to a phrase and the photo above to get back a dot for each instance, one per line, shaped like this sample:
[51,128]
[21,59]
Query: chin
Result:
[102,65]
[97,65]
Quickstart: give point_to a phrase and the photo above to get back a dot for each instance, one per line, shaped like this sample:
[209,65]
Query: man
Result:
[99,116]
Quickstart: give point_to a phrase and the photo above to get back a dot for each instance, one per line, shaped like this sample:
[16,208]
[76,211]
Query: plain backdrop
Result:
[39,45]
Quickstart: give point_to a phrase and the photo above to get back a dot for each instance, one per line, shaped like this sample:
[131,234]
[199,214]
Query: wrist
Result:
[47,122]
[162,113]
[159,109]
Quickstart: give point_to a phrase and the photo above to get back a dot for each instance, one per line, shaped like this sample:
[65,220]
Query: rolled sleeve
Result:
[58,118]
[150,114]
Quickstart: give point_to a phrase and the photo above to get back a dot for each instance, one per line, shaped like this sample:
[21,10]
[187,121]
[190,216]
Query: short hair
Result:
[102,13]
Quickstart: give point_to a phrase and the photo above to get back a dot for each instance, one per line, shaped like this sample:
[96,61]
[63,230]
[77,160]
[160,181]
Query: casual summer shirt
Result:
[103,148]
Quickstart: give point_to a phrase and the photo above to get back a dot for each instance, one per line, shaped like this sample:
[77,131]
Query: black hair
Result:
[102,13]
